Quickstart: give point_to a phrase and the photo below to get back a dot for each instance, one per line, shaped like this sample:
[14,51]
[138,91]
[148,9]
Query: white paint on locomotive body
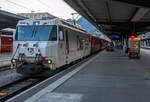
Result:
[69,43]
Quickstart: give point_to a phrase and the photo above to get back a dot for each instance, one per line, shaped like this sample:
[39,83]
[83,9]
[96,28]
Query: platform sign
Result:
[115,36]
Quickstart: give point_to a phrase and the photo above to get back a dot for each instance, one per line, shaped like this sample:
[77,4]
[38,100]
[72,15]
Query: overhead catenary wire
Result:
[48,6]
[20,5]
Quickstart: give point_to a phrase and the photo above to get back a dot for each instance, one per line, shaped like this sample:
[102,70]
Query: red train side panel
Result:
[95,44]
[6,44]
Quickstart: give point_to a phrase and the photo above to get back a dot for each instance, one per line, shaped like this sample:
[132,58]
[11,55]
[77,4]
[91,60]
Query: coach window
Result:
[61,35]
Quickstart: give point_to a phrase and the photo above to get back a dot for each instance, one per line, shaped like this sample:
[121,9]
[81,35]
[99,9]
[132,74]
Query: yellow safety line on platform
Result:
[32,79]
[3,93]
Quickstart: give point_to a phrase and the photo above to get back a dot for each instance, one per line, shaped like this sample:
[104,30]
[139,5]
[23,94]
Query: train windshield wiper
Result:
[33,31]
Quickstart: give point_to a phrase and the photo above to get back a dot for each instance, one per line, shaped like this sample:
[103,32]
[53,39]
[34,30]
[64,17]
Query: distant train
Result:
[6,41]
[41,45]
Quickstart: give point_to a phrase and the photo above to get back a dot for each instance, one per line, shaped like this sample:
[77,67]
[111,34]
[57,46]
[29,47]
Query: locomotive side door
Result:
[63,46]
[66,46]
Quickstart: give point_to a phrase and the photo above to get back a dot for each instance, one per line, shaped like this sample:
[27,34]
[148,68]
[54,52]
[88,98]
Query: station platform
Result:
[106,77]
[5,59]
[5,55]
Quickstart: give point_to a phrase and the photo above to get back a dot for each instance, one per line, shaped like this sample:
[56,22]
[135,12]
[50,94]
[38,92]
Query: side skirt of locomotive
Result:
[38,70]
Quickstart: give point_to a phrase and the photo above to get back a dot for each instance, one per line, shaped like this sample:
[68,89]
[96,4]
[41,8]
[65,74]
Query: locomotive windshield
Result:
[36,33]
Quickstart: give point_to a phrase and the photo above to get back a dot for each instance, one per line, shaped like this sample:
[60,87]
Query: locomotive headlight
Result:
[13,61]
[49,61]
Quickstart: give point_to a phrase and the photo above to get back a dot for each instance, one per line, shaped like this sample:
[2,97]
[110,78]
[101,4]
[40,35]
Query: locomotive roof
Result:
[69,25]
[51,22]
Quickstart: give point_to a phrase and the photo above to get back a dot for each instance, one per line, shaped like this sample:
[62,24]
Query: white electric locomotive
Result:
[47,45]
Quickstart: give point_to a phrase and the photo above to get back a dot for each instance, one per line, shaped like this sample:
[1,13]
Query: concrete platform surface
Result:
[5,59]
[107,77]
[5,55]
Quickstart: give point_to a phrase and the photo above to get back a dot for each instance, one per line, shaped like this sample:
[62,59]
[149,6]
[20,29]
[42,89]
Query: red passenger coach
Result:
[95,44]
[6,43]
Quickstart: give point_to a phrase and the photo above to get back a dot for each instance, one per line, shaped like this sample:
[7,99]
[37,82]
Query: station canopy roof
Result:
[9,20]
[115,16]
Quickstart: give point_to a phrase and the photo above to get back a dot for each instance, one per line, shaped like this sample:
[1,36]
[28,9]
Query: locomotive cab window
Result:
[61,33]
[36,33]
[53,34]
[15,35]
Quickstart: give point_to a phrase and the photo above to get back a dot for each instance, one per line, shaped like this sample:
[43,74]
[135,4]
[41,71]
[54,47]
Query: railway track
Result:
[4,68]
[12,89]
